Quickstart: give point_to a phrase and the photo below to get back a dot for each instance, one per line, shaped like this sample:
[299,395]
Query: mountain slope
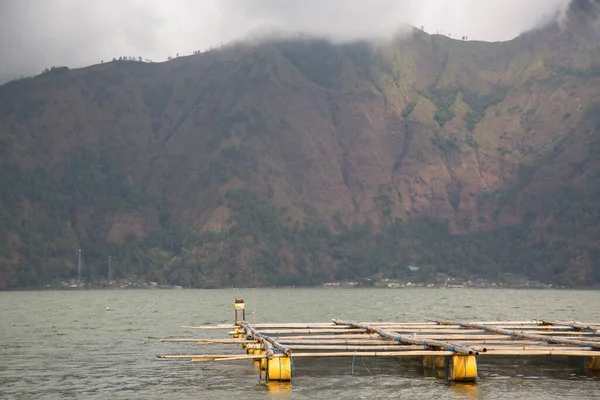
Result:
[297,161]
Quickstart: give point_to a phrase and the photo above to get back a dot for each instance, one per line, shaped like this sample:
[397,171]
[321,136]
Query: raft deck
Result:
[454,347]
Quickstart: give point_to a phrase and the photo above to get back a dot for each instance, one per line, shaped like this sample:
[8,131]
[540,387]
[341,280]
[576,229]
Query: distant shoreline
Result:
[165,288]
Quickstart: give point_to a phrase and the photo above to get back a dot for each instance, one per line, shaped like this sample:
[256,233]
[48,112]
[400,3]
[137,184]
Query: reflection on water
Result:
[279,388]
[64,344]
[466,391]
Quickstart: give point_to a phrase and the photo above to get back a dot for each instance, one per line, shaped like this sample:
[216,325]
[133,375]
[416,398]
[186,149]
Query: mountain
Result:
[297,161]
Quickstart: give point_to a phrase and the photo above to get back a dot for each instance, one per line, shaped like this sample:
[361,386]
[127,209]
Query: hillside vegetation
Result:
[299,161]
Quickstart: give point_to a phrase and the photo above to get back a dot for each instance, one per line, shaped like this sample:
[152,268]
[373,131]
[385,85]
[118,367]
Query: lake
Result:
[66,344]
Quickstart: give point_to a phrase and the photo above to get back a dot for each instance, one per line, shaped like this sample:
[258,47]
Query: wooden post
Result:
[593,363]
[435,366]
[434,362]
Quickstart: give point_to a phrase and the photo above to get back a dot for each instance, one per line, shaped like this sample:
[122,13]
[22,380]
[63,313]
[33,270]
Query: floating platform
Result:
[453,347]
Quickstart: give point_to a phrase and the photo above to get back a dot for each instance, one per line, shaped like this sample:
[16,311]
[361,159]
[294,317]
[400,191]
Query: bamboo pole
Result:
[301,331]
[348,336]
[267,344]
[344,342]
[523,335]
[481,331]
[477,333]
[401,325]
[413,353]
[209,341]
[339,331]
[189,356]
[411,340]
[376,354]
[499,336]
[209,327]
[571,325]
[429,323]
[541,352]
[314,347]
[389,347]
[432,322]
[351,342]
[374,342]
[563,332]
[408,353]
[260,336]
[534,348]
[465,337]
[376,336]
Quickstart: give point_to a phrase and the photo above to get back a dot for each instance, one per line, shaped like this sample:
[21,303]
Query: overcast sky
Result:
[35,34]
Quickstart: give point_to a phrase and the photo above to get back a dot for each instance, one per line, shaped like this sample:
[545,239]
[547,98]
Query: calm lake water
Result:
[65,344]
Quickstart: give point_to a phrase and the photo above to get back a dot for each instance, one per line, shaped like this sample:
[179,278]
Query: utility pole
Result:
[79,269]
[109,270]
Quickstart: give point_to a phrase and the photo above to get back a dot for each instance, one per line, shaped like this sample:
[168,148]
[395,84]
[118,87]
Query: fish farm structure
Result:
[453,348]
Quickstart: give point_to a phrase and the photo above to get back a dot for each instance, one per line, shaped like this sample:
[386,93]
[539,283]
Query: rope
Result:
[353,358]
[368,370]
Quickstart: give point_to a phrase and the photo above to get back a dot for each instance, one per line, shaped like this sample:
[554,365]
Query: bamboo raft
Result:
[452,346]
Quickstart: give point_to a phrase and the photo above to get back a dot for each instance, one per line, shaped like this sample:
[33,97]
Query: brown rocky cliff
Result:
[466,132]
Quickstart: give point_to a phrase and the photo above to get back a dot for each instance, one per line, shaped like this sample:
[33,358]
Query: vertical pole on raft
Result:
[593,363]
[238,305]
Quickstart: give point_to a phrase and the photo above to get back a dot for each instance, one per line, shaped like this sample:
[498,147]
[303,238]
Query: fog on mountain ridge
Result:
[37,34]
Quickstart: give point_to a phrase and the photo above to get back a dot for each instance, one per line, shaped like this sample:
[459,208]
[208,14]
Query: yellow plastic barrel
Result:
[463,368]
[279,369]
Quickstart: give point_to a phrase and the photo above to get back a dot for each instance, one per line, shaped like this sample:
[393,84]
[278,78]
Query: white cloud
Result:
[489,20]
[35,34]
